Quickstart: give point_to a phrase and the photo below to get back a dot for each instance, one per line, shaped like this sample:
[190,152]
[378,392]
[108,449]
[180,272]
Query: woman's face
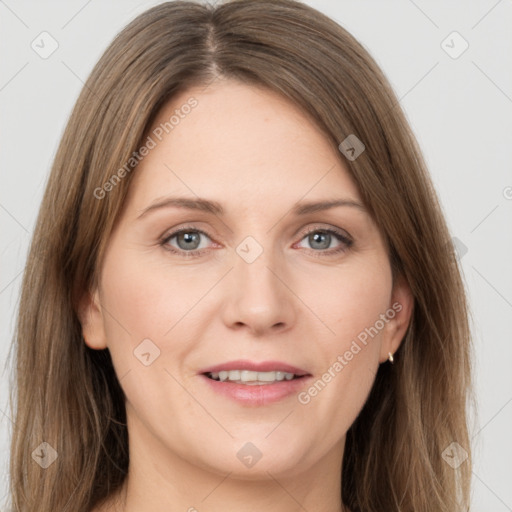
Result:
[244,245]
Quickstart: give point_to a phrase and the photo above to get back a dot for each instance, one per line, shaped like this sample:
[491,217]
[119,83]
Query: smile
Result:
[251,378]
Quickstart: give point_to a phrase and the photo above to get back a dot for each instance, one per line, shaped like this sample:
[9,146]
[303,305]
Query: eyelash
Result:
[345,241]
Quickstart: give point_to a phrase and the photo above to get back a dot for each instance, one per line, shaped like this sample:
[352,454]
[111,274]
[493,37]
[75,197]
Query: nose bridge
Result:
[256,297]
[257,282]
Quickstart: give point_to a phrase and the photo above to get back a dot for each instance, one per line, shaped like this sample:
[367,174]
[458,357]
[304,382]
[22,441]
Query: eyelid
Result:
[164,241]
[329,229]
[345,239]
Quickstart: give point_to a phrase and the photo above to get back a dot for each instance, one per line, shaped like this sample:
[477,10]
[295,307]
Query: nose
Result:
[258,299]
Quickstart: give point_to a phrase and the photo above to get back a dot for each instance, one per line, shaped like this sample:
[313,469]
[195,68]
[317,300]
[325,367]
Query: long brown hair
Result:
[68,395]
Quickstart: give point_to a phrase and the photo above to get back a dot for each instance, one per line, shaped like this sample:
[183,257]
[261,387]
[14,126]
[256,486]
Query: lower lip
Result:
[257,395]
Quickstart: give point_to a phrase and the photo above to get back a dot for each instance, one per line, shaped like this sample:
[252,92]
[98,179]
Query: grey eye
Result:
[188,240]
[319,240]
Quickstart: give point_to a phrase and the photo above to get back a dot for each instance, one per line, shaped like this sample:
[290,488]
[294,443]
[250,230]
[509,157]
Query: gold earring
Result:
[390,357]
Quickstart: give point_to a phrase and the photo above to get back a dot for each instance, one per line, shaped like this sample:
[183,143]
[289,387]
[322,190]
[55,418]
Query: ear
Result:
[399,314]
[90,315]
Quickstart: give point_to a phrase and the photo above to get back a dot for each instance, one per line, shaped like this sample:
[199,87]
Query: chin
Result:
[254,460]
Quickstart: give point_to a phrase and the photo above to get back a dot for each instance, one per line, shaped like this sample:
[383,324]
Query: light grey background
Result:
[460,110]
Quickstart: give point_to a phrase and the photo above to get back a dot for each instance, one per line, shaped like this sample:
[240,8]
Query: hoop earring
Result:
[390,357]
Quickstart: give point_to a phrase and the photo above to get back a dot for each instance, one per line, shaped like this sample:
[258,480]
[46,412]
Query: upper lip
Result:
[263,366]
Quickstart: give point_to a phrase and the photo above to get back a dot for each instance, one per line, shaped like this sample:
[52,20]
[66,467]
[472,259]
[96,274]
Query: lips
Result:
[264,366]
[254,393]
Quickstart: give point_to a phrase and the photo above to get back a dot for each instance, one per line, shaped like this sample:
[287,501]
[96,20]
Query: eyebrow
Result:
[214,207]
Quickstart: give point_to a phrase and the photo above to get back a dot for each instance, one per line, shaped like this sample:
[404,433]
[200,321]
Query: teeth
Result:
[246,376]
[250,377]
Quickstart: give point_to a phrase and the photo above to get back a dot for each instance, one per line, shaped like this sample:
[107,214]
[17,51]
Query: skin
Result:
[258,156]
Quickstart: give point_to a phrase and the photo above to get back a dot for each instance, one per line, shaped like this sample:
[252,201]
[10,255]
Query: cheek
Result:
[148,299]
[349,300]
[350,304]
[149,321]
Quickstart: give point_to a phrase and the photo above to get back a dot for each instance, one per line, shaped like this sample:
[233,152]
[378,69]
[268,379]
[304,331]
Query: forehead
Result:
[239,141]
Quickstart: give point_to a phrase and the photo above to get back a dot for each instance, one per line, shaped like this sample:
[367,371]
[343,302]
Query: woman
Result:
[241,291]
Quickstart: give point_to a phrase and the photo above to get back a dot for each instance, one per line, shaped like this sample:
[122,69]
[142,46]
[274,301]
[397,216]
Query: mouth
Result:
[252,378]
[255,384]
